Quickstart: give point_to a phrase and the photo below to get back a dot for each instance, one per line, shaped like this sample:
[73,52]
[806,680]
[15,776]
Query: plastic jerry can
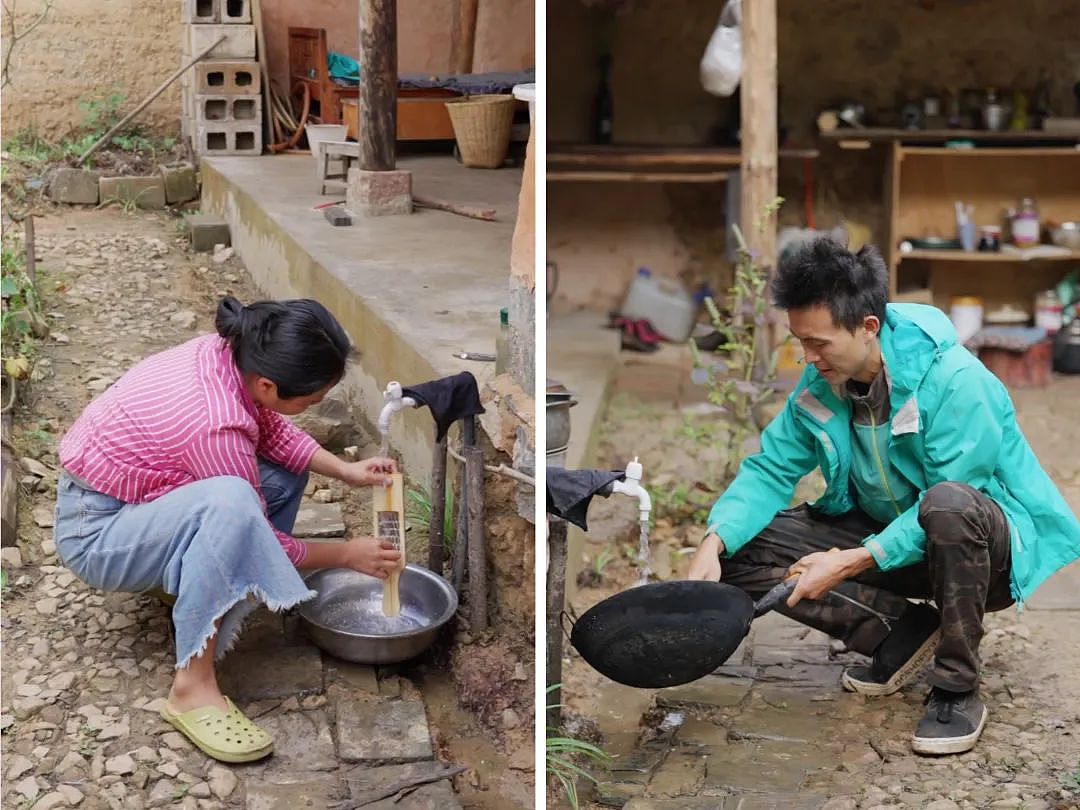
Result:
[663,302]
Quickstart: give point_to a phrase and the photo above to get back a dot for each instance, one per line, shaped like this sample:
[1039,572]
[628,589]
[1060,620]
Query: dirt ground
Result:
[118,287]
[851,752]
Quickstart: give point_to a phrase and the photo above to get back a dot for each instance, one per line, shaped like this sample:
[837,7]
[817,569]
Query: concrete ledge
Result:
[410,291]
[583,356]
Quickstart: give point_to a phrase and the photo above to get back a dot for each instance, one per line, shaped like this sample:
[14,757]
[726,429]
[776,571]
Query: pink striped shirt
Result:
[180,416]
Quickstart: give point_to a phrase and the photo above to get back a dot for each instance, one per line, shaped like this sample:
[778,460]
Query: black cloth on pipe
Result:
[448,399]
[570,491]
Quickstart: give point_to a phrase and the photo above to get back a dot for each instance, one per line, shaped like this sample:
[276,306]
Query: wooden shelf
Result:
[645,157]
[575,176]
[978,256]
[925,182]
[989,151]
[886,134]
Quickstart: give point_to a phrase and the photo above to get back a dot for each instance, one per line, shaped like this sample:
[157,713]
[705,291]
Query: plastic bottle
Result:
[502,343]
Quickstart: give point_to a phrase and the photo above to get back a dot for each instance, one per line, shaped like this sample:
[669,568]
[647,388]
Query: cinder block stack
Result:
[222,94]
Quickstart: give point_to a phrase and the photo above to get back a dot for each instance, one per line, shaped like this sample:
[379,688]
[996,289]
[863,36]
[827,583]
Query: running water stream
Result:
[644,553]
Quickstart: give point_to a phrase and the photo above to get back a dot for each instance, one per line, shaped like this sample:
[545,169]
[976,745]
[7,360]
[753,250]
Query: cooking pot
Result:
[1067,348]
[559,403]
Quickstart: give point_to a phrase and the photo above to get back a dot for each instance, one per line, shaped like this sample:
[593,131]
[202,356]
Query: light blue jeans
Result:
[207,543]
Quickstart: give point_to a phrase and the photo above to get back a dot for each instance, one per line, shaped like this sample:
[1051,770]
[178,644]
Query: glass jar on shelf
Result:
[1025,224]
[1048,311]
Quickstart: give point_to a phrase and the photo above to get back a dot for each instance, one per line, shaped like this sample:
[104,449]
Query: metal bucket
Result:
[347,621]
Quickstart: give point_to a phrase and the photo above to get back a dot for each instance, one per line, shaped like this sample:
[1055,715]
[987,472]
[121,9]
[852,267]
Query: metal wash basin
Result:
[346,618]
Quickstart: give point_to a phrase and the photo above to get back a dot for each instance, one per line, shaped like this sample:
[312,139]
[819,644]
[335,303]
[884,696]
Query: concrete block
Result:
[382,732]
[337,215]
[232,78]
[145,192]
[302,741]
[207,230]
[202,12]
[289,791]
[239,41]
[319,520]
[180,183]
[74,186]
[235,11]
[374,194]
[228,138]
[364,781]
[240,109]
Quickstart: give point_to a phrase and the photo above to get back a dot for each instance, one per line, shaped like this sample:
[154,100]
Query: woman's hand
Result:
[370,472]
[370,556]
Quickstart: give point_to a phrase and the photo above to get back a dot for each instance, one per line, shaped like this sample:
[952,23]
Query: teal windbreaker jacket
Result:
[951,420]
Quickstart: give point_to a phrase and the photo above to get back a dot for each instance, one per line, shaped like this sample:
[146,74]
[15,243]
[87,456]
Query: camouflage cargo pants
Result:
[966,573]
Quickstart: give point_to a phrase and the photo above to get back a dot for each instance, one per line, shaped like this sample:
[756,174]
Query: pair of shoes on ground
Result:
[228,736]
[638,334]
[952,721]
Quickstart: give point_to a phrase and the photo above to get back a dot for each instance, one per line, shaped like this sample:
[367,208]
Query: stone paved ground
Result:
[773,728]
[85,672]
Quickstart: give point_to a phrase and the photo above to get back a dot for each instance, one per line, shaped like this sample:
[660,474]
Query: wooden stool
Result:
[345,151]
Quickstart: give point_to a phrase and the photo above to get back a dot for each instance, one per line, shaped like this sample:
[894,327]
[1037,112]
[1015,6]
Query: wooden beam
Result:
[637,177]
[463,35]
[378,84]
[758,123]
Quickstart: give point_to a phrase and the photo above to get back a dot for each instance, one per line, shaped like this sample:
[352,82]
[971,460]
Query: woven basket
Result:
[482,128]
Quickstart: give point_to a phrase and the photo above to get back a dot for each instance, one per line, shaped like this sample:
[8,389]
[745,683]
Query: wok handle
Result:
[563,616]
[776,595]
[779,593]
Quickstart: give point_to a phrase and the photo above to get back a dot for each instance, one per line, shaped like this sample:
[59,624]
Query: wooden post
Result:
[461,532]
[758,126]
[378,84]
[474,481]
[31,252]
[436,531]
[8,470]
[463,36]
[556,598]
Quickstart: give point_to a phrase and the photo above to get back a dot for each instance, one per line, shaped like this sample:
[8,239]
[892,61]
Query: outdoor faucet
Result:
[632,486]
[394,402]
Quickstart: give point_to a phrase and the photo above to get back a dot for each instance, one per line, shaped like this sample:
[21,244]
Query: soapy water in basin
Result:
[365,616]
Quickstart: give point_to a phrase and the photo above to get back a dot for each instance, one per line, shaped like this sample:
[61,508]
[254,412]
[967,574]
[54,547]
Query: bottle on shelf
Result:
[603,106]
[1025,224]
[502,343]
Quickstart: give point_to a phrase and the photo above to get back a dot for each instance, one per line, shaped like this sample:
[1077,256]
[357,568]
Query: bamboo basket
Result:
[482,128]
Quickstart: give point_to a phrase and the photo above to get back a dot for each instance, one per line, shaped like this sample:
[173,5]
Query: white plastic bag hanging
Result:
[721,66]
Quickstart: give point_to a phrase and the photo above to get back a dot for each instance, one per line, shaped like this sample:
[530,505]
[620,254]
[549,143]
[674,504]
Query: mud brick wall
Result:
[827,50]
[89,49]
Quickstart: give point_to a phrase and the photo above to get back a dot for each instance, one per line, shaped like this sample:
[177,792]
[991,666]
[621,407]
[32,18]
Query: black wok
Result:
[669,633]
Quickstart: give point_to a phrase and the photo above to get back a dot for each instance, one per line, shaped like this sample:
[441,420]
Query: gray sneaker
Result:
[951,724]
[900,658]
